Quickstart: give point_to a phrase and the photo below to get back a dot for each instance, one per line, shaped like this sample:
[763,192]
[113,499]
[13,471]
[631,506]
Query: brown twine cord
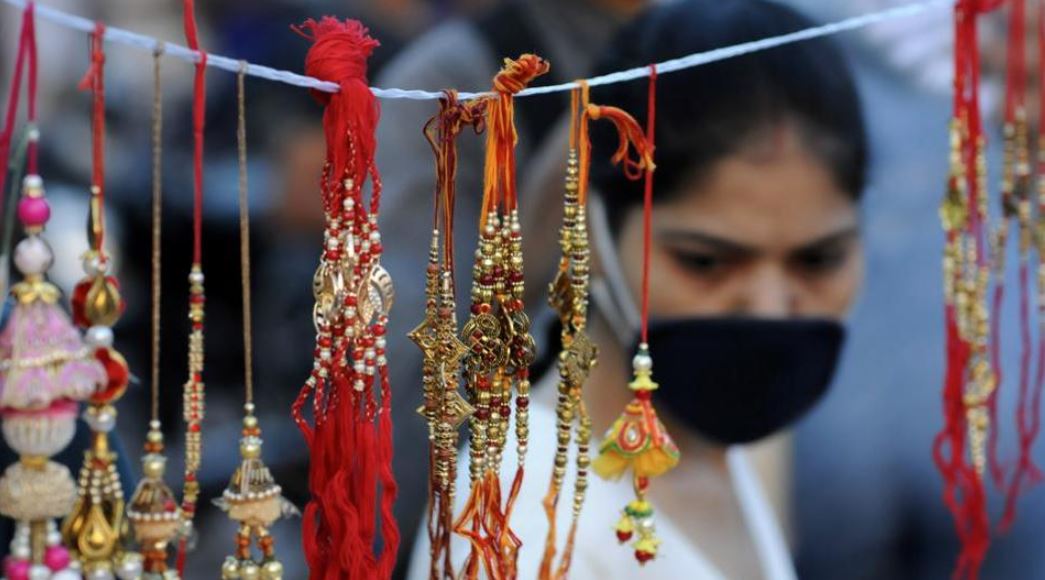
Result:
[244,233]
[157,219]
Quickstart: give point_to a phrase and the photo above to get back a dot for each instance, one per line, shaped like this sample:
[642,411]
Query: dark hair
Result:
[709,112]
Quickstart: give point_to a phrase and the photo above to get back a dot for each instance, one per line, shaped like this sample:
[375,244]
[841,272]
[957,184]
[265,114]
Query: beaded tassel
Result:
[637,442]
[252,498]
[568,296]
[350,438]
[153,509]
[95,529]
[970,382]
[500,347]
[45,368]
[437,336]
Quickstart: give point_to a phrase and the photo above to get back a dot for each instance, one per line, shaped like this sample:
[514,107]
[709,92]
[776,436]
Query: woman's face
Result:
[764,233]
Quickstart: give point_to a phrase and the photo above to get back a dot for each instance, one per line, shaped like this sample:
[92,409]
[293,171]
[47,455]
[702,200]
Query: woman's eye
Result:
[700,263]
[820,261]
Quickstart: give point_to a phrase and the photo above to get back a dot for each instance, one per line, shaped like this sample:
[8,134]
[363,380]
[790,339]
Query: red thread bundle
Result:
[350,438]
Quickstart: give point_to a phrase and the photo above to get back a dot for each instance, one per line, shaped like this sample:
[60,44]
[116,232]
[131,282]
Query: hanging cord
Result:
[244,236]
[194,403]
[9,209]
[647,200]
[26,51]
[157,225]
[94,81]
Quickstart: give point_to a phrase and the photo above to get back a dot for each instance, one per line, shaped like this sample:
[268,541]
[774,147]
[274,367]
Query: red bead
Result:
[643,556]
[623,536]
[522,402]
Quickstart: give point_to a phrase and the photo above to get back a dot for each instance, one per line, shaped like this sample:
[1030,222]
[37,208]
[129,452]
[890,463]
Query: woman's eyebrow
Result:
[711,241]
[842,235]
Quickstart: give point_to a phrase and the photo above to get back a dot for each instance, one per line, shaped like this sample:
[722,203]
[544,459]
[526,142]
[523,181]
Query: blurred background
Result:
[864,487]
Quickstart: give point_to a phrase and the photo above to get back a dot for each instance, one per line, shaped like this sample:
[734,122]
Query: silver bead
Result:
[99,336]
[642,362]
[32,181]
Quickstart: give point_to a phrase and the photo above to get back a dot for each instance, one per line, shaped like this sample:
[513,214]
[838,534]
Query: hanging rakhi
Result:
[444,408]
[568,296]
[252,499]
[637,441]
[350,438]
[45,369]
[193,405]
[960,448]
[94,529]
[500,348]
[153,510]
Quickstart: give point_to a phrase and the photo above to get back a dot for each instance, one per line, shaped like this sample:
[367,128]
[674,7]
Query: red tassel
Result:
[350,478]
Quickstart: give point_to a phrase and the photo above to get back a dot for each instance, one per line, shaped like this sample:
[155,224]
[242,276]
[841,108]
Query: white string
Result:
[121,36]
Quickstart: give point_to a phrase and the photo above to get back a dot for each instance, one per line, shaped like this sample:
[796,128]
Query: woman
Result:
[755,261]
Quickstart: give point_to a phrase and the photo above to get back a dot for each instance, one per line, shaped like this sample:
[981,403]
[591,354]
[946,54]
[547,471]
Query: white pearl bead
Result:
[92,265]
[130,569]
[54,537]
[33,256]
[32,181]
[68,575]
[39,572]
[196,277]
[103,422]
[100,575]
[99,336]
[642,362]
[21,552]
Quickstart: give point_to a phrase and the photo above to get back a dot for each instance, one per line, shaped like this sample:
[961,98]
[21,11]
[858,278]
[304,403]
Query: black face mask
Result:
[738,380]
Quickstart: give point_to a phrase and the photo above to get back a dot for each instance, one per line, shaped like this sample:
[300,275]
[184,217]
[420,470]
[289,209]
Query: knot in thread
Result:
[94,70]
[631,137]
[339,51]
[518,73]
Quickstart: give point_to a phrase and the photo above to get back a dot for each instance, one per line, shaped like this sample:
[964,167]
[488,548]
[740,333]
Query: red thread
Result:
[199,92]
[647,200]
[94,81]
[26,49]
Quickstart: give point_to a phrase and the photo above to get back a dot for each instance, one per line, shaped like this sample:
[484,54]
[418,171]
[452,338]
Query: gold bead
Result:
[250,447]
[272,570]
[153,466]
[250,571]
[230,569]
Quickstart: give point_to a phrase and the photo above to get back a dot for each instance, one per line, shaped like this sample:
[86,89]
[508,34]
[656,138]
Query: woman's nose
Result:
[768,293]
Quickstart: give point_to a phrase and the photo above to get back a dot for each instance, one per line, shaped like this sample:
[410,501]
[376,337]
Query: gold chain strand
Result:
[153,512]
[252,498]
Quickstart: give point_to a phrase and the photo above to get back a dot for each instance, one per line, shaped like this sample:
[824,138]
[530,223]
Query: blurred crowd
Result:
[865,452]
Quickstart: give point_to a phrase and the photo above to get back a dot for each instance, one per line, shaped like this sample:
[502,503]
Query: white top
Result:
[597,555]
